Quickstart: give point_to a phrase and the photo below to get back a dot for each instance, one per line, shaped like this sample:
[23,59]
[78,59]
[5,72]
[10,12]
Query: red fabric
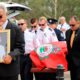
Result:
[35,59]
[52,60]
[62,45]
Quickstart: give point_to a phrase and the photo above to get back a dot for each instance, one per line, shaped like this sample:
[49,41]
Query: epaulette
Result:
[50,29]
[41,29]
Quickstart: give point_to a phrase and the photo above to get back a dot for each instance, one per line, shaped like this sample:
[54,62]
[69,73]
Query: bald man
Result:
[73,45]
[63,26]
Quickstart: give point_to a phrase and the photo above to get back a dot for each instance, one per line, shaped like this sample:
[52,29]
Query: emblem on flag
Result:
[45,50]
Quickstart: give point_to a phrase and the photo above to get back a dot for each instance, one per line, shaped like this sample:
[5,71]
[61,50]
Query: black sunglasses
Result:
[41,24]
[72,25]
[33,26]
[21,24]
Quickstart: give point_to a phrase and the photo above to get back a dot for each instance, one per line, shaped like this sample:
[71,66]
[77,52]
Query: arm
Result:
[19,44]
[17,49]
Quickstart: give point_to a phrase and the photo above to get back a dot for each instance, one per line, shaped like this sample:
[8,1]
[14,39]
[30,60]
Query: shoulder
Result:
[78,31]
[68,31]
[13,26]
[50,29]
[57,30]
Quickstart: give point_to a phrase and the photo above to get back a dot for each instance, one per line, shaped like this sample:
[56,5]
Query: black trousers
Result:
[74,68]
[45,76]
[75,73]
[9,78]
[25,67]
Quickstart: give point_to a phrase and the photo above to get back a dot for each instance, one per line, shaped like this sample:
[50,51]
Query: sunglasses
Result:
[41,24]
[21,24]
[72,25]
[33,26]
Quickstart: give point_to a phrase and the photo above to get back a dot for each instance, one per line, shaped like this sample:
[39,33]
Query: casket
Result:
[50,55]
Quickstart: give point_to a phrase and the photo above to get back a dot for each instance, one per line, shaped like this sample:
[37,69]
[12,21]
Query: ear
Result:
[78,22]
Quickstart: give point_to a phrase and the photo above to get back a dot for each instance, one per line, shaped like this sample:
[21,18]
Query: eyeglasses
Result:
[41,24]
[33,26]
[21,24]
[72,25]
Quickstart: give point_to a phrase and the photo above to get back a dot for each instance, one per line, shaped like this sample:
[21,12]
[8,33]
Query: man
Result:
[63,26]
[25,60]
[53,27]
[9,69]
[46,35]
[22,23]
[73,45]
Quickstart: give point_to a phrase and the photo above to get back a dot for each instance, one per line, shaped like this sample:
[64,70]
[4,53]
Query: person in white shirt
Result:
[63,26]
[29,41]
[44,36]
[26,62]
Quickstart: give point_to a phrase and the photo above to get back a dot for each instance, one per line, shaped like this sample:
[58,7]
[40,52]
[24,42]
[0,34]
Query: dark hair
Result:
[33,20]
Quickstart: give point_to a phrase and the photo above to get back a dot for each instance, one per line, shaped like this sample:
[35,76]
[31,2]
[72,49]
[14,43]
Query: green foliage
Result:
[46,8]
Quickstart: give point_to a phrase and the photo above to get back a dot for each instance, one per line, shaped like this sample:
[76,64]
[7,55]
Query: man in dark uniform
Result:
[73,45]
[53,26]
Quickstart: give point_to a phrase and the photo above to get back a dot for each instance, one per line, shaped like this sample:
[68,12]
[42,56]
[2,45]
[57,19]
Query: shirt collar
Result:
[26,30]
[44,28]
[5,24]
[76,30]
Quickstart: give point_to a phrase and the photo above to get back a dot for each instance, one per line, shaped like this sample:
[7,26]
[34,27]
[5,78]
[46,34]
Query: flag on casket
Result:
[50,55]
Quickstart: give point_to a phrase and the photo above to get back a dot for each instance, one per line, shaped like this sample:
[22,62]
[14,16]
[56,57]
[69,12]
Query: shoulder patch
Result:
[41,29]
[50,29]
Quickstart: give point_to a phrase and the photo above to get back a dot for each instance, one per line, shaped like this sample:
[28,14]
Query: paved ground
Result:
[66,75]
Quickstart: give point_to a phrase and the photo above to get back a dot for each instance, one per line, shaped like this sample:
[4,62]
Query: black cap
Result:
[52,21]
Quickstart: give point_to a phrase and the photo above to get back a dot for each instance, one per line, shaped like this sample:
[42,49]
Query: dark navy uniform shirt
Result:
[59,34]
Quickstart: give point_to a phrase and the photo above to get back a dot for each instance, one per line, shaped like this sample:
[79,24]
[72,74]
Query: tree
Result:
[50,8]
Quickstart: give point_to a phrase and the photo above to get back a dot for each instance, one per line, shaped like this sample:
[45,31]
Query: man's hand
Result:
[7,59]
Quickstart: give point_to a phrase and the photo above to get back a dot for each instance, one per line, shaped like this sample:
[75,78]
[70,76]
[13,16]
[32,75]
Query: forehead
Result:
[20,21]
[2,11]
[72,20]
[43,21]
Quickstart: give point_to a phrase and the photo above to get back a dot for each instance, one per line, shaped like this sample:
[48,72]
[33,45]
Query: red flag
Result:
[35,59]
[50,55]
